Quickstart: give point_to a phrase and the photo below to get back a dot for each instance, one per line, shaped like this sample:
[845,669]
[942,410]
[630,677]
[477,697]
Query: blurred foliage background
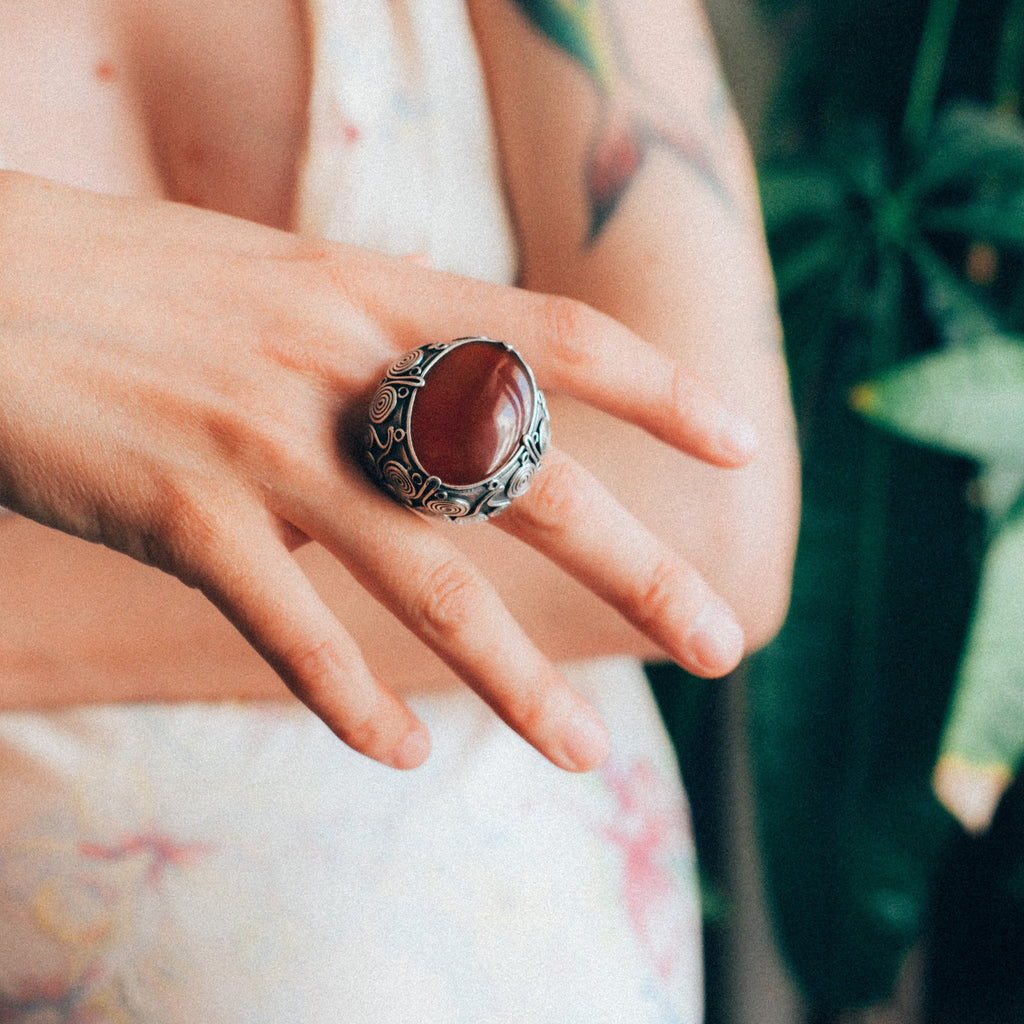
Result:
[886,723]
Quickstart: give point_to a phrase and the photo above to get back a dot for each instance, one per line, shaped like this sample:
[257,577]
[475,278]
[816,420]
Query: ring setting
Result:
[457,430]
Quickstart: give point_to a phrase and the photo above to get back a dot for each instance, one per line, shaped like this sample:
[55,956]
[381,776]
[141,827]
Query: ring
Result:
[457,430]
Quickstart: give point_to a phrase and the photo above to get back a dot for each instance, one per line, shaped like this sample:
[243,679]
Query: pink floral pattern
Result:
[651,829]
[159,850]
[238,864]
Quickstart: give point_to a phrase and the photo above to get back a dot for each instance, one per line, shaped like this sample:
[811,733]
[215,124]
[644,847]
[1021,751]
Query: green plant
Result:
[897,237]
[969,398]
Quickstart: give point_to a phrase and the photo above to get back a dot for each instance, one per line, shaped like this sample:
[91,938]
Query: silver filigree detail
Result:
[521,479]
[392,460]
[406,362]
[450,508]
[383,404]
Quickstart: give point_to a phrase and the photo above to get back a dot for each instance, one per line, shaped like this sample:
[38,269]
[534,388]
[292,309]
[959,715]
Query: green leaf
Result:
[1000,222]
[986,724]
[845,710]
[999,487]
[952,305]
[846,707]
[804,264]
[789,194]
[967,399]
[971,144]
[983,742]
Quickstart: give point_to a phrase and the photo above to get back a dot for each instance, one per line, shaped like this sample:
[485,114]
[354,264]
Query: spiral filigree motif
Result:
[452,508]
[406,362]
[383,404]
[521,479]
[397,477]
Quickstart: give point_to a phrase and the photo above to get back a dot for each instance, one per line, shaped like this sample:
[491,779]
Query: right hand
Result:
[173,384]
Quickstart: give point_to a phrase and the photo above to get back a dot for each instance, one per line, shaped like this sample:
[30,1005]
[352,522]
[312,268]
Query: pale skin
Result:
[172,382]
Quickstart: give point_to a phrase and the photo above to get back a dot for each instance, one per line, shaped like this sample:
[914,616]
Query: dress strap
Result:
[401,157]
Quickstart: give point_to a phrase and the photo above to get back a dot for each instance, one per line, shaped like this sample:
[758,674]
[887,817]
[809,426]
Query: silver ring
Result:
[456,431]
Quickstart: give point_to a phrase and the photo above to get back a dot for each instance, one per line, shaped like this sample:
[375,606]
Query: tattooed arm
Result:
[631,187]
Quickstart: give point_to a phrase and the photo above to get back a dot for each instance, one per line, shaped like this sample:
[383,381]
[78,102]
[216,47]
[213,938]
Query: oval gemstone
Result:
[471,412]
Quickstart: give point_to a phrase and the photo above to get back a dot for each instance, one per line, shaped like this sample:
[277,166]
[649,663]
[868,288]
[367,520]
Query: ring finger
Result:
[410,567]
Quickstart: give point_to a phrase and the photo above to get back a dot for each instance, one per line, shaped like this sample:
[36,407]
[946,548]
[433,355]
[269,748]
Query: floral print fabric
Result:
[401,157]
[232,864]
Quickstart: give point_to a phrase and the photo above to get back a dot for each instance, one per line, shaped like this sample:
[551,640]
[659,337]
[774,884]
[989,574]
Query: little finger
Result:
[255,582]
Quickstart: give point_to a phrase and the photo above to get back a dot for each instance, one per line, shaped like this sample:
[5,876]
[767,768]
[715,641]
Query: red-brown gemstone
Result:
[471,412]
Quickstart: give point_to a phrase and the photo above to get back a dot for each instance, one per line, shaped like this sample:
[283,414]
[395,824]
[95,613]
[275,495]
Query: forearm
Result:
[666,237]
[711,305]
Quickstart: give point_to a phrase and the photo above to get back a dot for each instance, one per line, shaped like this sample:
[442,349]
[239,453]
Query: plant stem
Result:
[874,529]
[1007,77]
[924,85]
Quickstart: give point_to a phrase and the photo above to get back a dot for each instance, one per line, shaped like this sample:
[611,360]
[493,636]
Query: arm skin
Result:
[632,190]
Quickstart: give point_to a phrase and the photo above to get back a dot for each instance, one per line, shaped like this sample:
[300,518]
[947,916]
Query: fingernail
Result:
[421,259]
[586,742]
[412,751]
[737,437]
[716,640]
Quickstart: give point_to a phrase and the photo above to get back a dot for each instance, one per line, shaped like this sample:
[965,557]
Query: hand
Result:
[173,384]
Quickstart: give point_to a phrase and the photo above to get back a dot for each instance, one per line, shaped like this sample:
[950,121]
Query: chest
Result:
[200,101]
[222,89]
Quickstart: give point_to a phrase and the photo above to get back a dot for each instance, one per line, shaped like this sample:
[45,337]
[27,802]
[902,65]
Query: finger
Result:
[420,259]
[569,517]
[578,351]
[261,589]
[437,593]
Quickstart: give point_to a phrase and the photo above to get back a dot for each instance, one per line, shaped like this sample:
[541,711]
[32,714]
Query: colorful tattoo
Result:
[632,121]
[576,26]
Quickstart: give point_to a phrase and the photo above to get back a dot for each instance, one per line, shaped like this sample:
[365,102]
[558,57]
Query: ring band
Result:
[457,430]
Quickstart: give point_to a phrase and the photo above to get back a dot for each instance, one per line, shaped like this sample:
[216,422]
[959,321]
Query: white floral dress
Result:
[235,863]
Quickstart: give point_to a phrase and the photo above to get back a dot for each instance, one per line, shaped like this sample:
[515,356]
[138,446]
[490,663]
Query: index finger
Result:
[575,350]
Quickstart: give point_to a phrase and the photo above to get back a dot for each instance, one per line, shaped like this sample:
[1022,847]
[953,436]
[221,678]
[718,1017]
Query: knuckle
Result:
[532,715]
[662,591]
[526,710]
[322,268]
[364,733]
[266,433]
[184,533]
[555,498]
[313,667]
[569,328]
[449,600]
[683,389]
[316,670]
[280,454]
